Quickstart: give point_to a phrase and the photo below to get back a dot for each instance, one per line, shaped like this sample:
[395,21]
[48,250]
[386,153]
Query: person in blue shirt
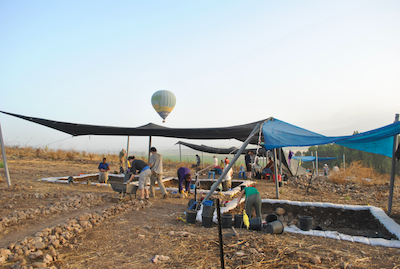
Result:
[104,167]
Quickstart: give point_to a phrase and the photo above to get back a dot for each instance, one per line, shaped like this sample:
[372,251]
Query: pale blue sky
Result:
[328,66]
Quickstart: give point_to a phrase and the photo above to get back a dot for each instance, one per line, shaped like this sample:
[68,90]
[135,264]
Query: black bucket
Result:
[208,211]
[271,217]
[207,222]
[275,227]
[280,183]
[226,221]
[255,224]
[191,202]
[191,216]
[238,222]
[306,223]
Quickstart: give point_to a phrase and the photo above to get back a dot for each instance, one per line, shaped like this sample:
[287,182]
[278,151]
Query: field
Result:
[80,226]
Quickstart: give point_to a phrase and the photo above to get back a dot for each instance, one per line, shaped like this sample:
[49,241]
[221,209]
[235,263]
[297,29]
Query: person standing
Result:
[122,155]
[104,167]
[253,199]
[198,160]
[227,181]
[248,158]
[215,162]
[184,177]
[156,166]
[144,175]
[326,169]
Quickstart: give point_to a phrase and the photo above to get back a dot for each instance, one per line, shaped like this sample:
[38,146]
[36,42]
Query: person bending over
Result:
[184,177]
[144,175]
[253,199]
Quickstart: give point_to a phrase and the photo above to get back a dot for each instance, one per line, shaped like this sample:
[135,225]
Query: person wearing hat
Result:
[326,169]
[156,166]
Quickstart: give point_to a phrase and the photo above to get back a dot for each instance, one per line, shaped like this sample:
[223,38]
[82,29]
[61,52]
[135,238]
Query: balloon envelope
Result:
[163,102]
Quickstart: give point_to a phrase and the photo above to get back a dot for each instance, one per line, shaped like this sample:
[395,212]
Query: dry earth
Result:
[79,226]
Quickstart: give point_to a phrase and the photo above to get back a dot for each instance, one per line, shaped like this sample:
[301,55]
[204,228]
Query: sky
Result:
[331,67]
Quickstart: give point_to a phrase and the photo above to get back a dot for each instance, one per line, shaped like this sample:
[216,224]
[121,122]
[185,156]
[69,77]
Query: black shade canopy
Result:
[239,132]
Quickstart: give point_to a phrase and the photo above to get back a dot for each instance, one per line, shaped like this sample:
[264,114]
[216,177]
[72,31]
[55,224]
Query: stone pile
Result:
[65,204]
[353,190]
[42,250]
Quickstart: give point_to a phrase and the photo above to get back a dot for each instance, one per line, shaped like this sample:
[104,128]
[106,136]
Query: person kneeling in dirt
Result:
[103,169]
[184,176]
[253,199]
[144,175]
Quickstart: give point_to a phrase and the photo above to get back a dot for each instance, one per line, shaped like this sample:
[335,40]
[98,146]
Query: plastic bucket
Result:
[226,221]
[208,202]
[192,186]
[255,224]
[191,216]
[208,211]
[306,223]
[207,222]
[238,222]
[275,227]
[271,217]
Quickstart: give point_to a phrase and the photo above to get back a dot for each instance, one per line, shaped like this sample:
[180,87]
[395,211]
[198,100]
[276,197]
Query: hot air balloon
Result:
[163,102]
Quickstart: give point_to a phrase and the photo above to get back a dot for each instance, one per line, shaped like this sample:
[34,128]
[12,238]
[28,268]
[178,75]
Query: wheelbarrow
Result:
[124,189]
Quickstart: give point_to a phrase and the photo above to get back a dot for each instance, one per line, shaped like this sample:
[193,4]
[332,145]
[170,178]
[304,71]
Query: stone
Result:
[40,245]
[47,259]
[35,255]
[3,259]
[38,264]
[4,252]
[84,223]
[280,211]
[55,243]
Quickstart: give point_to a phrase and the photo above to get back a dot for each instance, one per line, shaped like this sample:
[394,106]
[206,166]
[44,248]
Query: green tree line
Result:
[381,164]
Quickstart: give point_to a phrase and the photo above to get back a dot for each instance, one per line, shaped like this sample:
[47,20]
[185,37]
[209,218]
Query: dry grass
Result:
[359,174]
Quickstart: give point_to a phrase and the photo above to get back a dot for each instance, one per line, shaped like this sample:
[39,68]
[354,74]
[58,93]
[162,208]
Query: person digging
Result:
[184,177]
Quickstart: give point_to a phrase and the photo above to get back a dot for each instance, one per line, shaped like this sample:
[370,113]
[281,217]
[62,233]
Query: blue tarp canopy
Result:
[312,158]
[279,134]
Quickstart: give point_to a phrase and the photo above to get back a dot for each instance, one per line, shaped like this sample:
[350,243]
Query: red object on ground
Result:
[279,178]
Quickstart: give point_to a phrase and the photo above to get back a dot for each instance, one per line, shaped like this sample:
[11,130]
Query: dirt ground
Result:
[130,234]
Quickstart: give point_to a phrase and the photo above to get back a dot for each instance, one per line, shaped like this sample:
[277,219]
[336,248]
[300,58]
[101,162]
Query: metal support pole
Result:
[276,175]
[313,163]
[280,161]
[225,171]
[221,245]
[180,154]
[148,157]
[344,162]
[127,152]
[393,171]
[316,162]
[3,151]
